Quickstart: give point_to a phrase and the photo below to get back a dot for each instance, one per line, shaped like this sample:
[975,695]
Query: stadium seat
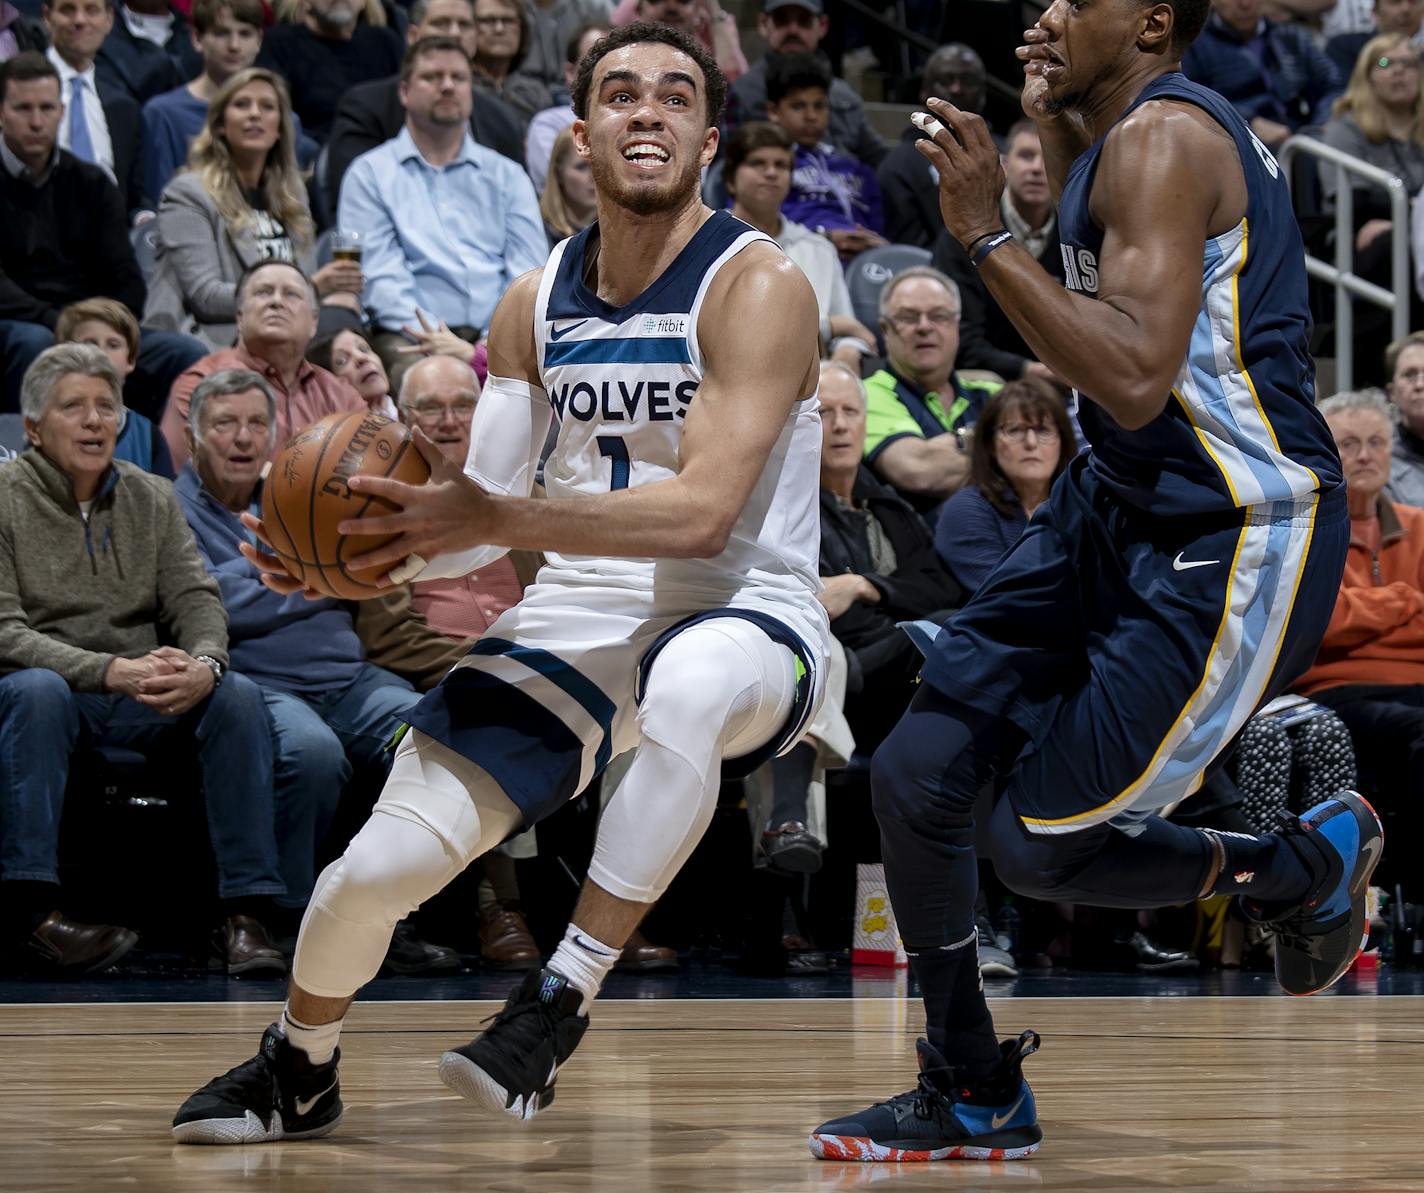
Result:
[872,269]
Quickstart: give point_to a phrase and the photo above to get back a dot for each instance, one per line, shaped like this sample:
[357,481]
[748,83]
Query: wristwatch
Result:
[212,665]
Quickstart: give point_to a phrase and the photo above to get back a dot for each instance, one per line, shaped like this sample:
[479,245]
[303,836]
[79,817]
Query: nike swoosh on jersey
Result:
[998,1120]
[559,335]
[1181,565]
[304,1105]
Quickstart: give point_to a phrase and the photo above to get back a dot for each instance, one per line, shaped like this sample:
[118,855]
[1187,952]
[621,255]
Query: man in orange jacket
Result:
[1370,668]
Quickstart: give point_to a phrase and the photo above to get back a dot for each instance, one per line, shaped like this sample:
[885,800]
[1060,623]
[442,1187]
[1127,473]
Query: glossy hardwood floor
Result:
[1135,1094]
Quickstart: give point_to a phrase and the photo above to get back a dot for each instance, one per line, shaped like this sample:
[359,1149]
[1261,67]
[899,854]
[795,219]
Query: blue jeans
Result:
[162,355]
[320,740]
[42,720]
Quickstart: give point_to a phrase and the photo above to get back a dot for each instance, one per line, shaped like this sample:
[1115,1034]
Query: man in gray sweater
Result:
[112,631]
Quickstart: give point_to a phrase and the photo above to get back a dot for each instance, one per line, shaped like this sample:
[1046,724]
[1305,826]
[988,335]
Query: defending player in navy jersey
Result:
[677,612]
[1181,573]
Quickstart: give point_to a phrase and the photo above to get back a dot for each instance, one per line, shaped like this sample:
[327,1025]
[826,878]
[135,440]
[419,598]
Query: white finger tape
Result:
[409,570]
[926,124]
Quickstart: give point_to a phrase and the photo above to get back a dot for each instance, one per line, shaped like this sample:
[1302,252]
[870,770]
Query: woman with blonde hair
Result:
[569,201]
[241,200]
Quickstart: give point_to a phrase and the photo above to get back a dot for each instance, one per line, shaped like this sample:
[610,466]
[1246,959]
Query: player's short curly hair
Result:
[1190,18]
[715,84]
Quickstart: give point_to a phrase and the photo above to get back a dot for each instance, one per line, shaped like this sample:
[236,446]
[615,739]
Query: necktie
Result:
[80,143]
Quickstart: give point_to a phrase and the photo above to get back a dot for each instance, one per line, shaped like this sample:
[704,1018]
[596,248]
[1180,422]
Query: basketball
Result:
[307,496]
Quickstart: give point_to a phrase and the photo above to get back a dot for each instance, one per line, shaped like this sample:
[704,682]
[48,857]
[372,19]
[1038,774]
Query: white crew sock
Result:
[319,1043]
[585,962]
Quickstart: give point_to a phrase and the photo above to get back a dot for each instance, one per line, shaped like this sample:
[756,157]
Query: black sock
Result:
[790,779]
[957,1020]
[1274,869]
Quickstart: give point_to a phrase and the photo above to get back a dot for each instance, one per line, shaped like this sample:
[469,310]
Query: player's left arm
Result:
[1163,186]
[759,335]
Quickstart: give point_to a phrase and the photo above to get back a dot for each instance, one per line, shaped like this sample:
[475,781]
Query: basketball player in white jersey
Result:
[677,612]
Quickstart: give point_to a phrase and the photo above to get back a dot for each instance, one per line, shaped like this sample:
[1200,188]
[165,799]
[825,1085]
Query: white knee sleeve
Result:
[720,688]
[438,811]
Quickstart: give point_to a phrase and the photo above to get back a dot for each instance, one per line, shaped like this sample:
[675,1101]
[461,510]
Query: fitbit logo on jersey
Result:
[1080,270]
[620,402]
[663,325]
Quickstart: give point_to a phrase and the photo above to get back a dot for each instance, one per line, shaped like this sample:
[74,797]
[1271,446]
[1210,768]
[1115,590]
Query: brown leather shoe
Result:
[74,948]
[640,956]
[247,948]
[505,940]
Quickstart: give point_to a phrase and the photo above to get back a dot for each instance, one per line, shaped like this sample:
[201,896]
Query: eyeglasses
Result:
[1409,60]
[1018,432]
[1412,376]
[1377,444]
[909,320]
[432,412]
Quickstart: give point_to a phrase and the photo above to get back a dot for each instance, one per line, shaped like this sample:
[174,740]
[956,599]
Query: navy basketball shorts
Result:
[1131,648]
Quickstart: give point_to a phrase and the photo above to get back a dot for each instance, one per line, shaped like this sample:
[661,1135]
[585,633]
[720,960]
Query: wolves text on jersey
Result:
[622,401]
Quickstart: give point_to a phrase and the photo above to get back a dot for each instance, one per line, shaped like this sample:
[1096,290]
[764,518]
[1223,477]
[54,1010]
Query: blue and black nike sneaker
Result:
[945,1117]
[1318,940]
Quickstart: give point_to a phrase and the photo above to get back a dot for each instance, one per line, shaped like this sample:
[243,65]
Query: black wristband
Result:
[978,240]
[988,246]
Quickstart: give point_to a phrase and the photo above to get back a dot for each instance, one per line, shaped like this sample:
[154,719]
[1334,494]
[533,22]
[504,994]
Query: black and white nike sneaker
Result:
[510,1068]
[278,1094]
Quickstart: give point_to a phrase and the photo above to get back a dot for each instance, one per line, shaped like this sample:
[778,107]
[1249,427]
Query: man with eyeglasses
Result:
[919,412]
[1404,365]
[1404,17]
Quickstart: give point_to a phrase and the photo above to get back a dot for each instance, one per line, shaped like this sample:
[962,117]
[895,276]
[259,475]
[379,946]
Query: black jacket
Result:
[62,241]
[909,191]
[125,122]
[140,69]
[882,662]
[370,114]
[987,338]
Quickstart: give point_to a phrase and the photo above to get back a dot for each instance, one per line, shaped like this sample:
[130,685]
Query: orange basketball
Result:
[307,496]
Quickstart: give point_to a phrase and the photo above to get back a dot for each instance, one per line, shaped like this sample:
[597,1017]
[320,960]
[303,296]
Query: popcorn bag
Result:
[875,940]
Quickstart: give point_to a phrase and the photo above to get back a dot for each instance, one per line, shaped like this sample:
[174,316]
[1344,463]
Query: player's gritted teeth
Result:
[648,155]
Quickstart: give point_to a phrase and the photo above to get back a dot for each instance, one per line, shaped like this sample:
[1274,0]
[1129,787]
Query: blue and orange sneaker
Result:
[984,1118]
[1318,940]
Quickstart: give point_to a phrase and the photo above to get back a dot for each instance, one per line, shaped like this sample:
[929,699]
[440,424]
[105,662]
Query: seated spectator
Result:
[1336,16]
[909,185]
[798,27]
[19,32]
[1272,73]
[570,201]
[327,52]
[370,114]
[107,325]
[101,122]
[553,25]
[705,20]
[228,34]
[546,126]
[446,224]
[149,50]
[878,567]
[64,239]
[241,201]
[79,648]
[276,317]
[502,39]
[1404,364]
[348,354]
[831,193]
[987,337]
[1370,669]
[756,170]
[920,413]
[1402,17]
[1022,444]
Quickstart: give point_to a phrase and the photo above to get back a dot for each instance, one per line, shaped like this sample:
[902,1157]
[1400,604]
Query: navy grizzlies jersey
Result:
[1240,427]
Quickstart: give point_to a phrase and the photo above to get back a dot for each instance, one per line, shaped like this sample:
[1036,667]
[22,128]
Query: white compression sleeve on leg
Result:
[437,812]
[721,687]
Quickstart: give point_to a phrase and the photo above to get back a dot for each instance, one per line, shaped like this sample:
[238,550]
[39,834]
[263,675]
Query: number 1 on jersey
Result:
[616,450]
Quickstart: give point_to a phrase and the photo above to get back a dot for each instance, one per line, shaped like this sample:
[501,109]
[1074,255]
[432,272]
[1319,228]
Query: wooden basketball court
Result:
[1135,1094]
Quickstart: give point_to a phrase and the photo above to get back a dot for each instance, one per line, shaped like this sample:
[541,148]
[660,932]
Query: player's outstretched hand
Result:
[274,573]
[448,513]
[971,176]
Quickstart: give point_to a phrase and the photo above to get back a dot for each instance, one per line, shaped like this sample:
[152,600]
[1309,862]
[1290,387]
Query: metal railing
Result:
[1341,275]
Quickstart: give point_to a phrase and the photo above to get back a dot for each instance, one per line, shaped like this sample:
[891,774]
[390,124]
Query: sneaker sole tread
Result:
[859,1148]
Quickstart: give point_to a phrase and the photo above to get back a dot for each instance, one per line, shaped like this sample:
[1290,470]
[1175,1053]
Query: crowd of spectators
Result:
[222,221]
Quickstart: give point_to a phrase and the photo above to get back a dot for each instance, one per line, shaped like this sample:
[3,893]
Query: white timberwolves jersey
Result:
[621,381]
